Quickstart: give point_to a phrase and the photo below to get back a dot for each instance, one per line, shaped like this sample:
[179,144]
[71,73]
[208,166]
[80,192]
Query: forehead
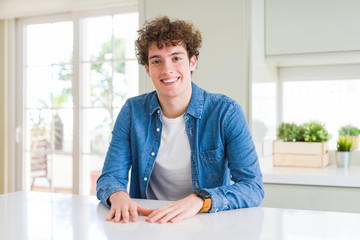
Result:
[165,50]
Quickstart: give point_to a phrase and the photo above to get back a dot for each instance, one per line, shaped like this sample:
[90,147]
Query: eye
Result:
[155,62]
[176,59]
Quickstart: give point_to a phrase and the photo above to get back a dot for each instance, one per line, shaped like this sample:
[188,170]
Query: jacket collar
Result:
[154,103]
[195,106]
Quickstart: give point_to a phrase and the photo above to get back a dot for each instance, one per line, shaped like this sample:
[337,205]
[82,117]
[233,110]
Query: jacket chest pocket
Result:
[213,163]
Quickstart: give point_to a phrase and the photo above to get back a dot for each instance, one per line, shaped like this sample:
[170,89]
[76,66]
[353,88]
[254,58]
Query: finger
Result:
[151,216]
[156,215]
[111,215]
[178,218]
[162,211]
[169,216]
[125,215]
[117,215]
[144,211]
[156,211]
[134,214]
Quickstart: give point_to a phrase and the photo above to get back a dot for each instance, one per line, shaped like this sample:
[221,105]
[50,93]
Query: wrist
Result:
[206,197]
[114,195]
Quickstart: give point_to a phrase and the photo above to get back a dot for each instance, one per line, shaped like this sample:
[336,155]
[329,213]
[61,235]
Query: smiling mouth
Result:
[171,80]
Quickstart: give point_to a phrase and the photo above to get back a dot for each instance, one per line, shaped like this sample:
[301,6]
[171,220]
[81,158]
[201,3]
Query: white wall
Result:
[263,77]
[223,60]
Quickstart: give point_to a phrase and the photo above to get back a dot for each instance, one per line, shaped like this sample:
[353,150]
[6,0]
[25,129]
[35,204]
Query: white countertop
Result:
[327,176]
[30,215]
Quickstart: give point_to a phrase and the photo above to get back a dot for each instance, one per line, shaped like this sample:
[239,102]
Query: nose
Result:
[167,67]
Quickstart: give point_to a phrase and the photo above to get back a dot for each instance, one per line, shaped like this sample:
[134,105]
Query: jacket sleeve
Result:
[114,176]
[247,188]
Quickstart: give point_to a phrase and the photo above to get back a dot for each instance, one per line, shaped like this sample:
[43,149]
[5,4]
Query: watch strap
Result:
[206,205]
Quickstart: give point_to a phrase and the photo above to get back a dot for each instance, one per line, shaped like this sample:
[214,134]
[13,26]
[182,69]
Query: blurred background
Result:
[67,67]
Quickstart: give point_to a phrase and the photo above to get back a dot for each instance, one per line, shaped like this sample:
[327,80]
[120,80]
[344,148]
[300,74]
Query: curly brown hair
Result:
[171,33]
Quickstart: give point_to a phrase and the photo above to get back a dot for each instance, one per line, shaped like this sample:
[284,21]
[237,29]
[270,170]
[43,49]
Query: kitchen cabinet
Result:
[298,27]
[327,189]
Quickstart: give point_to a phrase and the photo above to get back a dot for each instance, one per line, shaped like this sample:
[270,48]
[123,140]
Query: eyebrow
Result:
[172,54]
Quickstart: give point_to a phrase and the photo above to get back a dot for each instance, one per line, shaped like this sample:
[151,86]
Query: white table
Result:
[30,215]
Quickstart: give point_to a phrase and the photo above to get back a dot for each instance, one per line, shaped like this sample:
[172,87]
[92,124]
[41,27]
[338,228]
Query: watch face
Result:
[203,194]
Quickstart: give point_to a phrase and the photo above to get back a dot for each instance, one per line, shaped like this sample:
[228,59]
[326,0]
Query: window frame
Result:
[313,73]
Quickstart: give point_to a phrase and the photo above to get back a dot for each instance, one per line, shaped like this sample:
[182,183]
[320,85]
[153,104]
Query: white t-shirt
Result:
[171,176]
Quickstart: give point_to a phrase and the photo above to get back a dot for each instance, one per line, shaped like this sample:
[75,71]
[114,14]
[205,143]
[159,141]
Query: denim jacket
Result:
[221,150]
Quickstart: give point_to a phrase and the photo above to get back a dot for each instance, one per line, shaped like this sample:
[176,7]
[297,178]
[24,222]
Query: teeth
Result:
[170,80]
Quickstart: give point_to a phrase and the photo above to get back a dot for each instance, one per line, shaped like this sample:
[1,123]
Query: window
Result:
[329,94]
[77,74]
[332,102]
[326,93]
[109,71]
[48,106]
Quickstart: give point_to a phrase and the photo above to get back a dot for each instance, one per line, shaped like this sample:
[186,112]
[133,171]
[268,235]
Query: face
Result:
[170,70]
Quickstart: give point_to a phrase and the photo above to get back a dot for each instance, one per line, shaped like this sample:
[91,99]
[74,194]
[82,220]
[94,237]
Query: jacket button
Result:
[145,179]
[158,111]
[158,129]
[152,154]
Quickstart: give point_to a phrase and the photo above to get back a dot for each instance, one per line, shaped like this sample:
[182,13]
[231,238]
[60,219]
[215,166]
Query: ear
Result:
[193,63]
[147,70]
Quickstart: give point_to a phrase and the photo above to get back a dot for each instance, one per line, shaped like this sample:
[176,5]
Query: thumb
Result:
[144,211]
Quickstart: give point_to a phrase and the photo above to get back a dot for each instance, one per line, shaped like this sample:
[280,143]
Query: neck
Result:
[174,107]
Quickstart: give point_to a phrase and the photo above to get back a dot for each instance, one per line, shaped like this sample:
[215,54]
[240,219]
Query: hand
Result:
[122,205]
[177,211]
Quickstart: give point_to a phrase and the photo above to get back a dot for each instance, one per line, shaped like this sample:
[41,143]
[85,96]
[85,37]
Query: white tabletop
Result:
[30,215]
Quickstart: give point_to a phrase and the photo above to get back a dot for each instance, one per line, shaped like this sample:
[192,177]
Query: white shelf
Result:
[328,176]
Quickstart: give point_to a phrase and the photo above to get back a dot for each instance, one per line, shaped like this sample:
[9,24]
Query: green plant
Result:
[315,131]
[349,130]
[288,132]
[344,143]
[300,137]
[102,91]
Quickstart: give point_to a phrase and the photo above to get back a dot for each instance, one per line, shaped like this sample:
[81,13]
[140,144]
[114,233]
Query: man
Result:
[181,142]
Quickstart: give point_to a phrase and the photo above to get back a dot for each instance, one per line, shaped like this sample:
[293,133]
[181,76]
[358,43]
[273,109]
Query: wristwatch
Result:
[204,195]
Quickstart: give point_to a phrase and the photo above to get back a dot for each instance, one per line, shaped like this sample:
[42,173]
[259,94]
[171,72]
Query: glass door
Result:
[48,106]
[71,96]
[109,73]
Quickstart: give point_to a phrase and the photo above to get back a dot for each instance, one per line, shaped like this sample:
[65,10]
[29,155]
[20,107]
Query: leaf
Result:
[344,143]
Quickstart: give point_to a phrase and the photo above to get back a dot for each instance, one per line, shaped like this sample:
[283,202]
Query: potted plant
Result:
[303,145]
[353,133]
[343,154]
[314,131]
[288,132]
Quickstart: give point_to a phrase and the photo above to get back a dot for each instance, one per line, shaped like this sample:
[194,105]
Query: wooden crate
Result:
[300,154]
